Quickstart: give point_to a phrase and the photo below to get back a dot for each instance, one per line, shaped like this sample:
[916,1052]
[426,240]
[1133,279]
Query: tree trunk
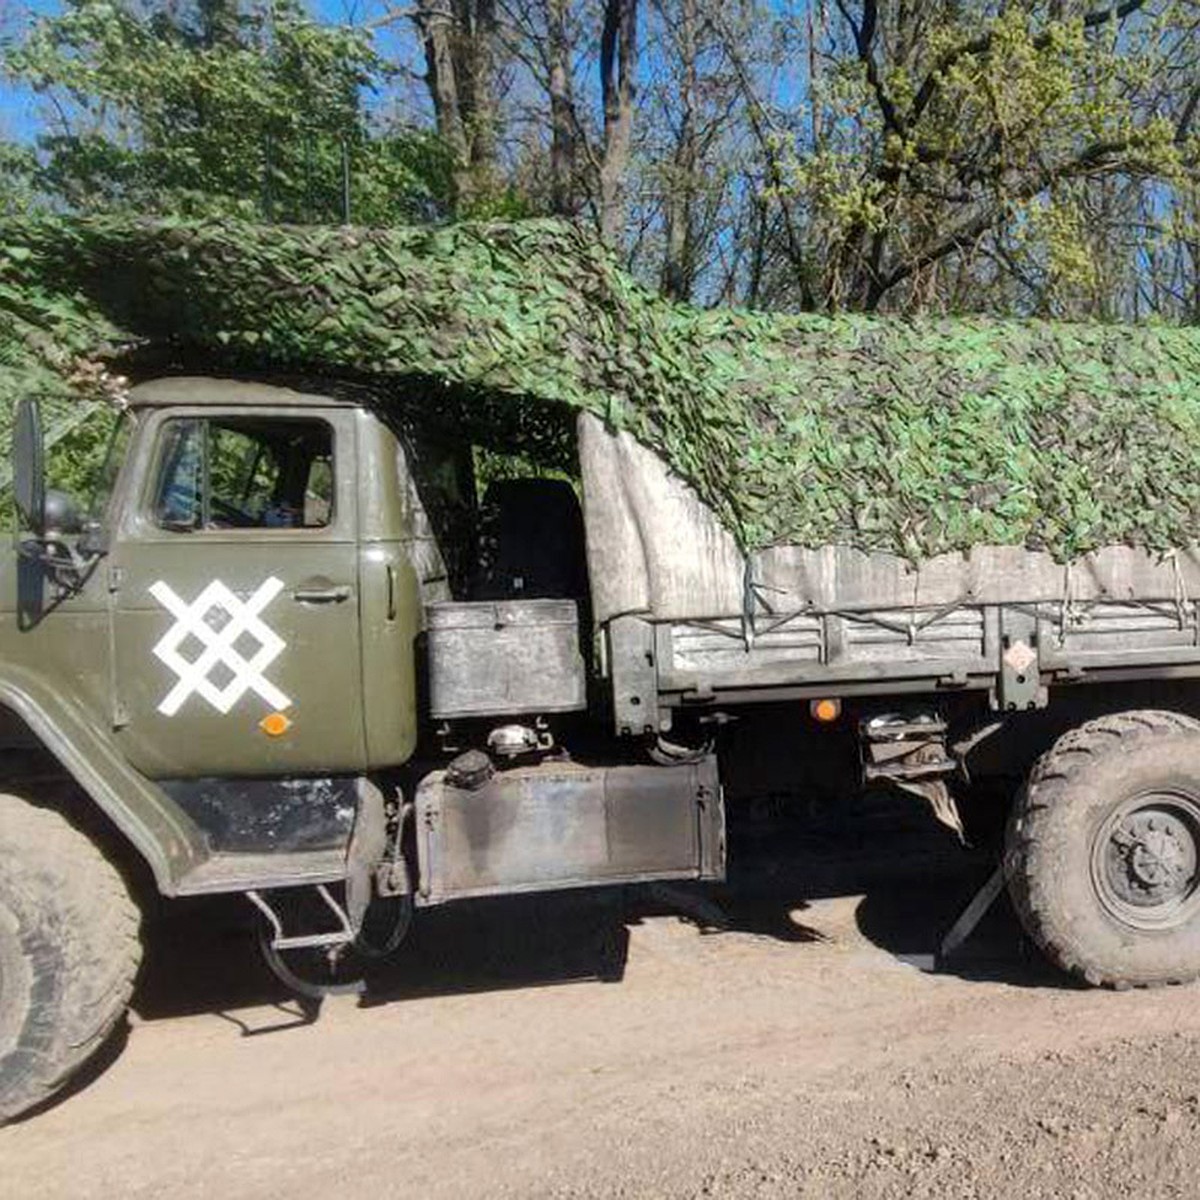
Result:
[435,20]
[679,267]
[483,72]
[618,67]
[814,72]
[562,127]
[758,248]
[460,47]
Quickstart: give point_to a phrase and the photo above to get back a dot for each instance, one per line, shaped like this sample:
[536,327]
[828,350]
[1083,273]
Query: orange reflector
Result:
[275,724]
[825,710]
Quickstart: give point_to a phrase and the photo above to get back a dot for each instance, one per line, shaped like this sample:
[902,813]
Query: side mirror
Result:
[29,468]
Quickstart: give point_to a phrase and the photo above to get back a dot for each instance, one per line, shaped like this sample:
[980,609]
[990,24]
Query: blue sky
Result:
[18,106]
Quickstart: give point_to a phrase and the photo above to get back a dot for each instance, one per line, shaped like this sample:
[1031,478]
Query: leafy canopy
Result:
[218,110]
[956,126]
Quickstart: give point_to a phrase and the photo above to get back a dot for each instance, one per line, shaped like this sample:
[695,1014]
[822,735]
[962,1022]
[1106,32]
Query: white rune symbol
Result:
[217,619]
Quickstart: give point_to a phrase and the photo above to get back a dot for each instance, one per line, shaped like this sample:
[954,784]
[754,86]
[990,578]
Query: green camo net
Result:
[915,437]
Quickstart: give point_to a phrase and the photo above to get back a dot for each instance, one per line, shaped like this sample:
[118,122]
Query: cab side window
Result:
[245,473]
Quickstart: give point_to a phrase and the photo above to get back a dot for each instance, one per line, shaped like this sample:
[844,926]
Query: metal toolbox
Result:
[504,657]
[563,825]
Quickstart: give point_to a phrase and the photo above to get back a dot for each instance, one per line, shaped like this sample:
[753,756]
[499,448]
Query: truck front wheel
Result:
[69,952]
[1103,850]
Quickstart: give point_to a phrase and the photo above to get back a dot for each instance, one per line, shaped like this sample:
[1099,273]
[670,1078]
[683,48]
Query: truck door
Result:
[234,596]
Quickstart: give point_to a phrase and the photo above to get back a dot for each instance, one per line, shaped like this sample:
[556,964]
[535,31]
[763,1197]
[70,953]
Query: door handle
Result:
[321,591]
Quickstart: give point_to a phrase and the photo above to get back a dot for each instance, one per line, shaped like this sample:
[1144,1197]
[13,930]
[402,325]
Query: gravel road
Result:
[608,1046]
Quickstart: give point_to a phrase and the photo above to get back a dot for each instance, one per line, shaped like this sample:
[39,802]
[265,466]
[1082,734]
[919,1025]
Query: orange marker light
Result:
[825,710]
[275,724]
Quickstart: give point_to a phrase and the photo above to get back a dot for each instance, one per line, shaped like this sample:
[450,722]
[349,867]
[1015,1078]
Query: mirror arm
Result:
[69,565]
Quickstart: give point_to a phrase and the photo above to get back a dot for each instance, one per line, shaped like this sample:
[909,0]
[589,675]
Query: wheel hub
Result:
[1154,854]
[1149,854]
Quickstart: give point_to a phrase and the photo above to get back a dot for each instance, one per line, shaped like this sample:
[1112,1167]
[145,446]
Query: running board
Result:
[251,872]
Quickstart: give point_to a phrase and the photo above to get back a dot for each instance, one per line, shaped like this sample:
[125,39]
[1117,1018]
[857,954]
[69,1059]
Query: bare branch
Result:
[391,17]
[864,41]
[759,126]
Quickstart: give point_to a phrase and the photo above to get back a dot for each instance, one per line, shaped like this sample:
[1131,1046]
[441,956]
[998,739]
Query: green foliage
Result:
[492,466]
[77,448]
[911,436]
[954,124]
[18,168]
[219,111]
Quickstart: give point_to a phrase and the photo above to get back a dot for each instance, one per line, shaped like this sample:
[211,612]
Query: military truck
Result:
[290,651]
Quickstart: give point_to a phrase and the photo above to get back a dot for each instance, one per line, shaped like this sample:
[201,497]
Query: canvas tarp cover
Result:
[656,549]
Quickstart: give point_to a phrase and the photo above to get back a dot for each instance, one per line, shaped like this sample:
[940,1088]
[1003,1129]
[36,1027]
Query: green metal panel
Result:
[391,599]
[55,674]
[172,721]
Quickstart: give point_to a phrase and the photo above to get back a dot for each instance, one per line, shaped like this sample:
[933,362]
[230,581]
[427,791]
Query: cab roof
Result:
[198,390]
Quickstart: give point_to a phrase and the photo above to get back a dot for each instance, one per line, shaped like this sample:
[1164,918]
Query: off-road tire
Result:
[69,951]
[1067,803]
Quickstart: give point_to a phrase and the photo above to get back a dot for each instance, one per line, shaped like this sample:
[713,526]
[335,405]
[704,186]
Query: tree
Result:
[1033,157]
[214,109]
[692,152]
[618,86]
[951,136]
[18,169]
[563,135]
[459,39]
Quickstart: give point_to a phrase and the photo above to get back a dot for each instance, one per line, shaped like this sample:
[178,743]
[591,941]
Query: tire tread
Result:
[81,902]
[1051,778]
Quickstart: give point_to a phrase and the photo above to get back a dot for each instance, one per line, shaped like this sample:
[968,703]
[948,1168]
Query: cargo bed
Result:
[690,619]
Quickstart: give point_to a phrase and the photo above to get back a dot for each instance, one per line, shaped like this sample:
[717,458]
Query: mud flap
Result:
[365,851]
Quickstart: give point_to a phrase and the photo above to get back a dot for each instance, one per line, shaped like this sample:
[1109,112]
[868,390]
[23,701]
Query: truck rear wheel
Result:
[1103,850]
[69,952]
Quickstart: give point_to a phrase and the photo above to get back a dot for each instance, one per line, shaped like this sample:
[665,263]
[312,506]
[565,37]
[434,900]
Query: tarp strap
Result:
[749,603]
[1181,595]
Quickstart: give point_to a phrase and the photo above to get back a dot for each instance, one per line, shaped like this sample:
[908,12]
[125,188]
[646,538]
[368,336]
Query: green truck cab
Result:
[291,653]
[251,614]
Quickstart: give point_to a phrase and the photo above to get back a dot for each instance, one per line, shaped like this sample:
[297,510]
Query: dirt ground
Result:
[597,1046]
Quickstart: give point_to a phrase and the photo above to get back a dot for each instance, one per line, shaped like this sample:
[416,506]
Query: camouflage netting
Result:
[912,437]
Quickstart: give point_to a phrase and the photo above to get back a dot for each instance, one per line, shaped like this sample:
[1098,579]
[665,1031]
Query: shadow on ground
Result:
[913,876]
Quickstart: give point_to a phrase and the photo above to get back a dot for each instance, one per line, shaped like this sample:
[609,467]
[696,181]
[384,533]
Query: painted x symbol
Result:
[194,620]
